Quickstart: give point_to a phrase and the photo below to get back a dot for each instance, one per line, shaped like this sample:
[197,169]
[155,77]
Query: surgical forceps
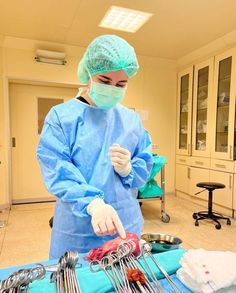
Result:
[146,252]
[18,282]
[65,277]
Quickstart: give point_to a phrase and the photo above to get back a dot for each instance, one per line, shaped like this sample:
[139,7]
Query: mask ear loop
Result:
[81,91]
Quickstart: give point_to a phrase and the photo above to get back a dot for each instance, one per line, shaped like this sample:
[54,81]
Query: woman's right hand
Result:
[105,220]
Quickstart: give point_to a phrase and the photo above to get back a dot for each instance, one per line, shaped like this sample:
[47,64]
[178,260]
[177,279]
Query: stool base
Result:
[212,216]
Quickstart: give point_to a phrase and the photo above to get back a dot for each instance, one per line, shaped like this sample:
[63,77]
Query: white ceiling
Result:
[177,28]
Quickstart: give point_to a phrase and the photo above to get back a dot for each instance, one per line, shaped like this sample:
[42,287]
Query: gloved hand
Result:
[120,159]
[105,220]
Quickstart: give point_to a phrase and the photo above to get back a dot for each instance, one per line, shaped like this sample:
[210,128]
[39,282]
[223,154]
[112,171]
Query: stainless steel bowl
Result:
[162,242]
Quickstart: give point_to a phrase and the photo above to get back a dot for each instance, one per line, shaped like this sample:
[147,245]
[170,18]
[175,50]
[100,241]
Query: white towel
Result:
[208,271]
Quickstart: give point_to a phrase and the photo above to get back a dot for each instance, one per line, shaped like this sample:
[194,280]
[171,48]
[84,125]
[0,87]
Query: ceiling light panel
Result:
[124,19]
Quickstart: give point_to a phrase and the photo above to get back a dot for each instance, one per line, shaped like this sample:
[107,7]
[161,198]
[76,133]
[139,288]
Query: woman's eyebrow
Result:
[110,79]
[106,77]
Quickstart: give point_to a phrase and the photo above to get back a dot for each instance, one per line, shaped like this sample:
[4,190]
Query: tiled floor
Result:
[26,237]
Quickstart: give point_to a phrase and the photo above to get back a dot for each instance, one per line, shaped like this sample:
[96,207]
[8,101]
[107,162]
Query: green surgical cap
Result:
[105,54]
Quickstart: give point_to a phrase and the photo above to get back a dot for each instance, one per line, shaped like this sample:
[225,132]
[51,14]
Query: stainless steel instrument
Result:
[124,272]
[19,281]
[65,277]
[146,252]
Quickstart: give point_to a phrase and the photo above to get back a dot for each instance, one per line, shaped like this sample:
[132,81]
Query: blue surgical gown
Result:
[76,168]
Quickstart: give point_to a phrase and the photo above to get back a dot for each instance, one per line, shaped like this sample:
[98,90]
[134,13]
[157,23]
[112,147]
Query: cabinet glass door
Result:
[234,126]
[183,126]
[223,130]
[184,111]
[202,94]
[223,105]
[203,79]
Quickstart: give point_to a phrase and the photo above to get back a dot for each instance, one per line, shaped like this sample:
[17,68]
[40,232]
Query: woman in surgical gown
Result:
[94,153]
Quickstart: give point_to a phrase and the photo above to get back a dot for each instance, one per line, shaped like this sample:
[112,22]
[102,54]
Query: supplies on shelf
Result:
[184,108]
[223,99]
[202,103]
[201,145]
[223,148]
[184,129]
[226,124]
[201,126]
[183,146]
[202,94]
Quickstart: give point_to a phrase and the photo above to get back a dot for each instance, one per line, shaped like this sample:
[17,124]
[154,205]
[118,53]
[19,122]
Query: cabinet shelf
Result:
[184,91]
[203,86]
[225,78]
[223,106]
[202,109]
[202,98]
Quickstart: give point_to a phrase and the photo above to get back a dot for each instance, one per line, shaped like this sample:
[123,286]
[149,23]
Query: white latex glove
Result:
[105,220]
[120,159]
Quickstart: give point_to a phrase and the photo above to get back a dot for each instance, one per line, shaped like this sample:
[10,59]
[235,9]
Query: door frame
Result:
[7,80]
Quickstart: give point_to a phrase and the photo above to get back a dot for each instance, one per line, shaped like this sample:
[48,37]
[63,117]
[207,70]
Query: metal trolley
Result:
[165,218]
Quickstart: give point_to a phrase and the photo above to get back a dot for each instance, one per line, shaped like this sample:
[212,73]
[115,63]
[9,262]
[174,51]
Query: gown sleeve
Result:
[61,177]
[141,161]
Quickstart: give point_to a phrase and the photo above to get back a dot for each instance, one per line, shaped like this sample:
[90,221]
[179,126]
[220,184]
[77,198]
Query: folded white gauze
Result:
[207,271]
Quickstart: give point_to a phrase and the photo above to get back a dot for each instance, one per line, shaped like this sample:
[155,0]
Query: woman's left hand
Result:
[120,159]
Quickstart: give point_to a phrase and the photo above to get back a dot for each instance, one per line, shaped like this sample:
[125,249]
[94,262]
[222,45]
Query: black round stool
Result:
[210,186]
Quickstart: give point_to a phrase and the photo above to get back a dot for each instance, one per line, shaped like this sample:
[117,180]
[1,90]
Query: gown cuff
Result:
[127,180]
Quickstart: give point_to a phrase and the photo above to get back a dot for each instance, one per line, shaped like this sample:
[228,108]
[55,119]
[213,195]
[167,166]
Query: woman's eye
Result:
[104,81]
[120,85]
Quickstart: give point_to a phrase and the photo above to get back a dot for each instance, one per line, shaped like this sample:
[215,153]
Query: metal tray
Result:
[162,242]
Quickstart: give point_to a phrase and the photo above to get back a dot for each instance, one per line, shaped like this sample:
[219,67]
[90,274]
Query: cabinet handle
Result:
[230,181]
[13,142]
[231,152]
[189,173]
[182,160]
[189,149]
[199,163]
[220,166]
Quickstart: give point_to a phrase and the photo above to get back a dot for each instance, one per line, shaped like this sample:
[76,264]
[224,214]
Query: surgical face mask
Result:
[106,96]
